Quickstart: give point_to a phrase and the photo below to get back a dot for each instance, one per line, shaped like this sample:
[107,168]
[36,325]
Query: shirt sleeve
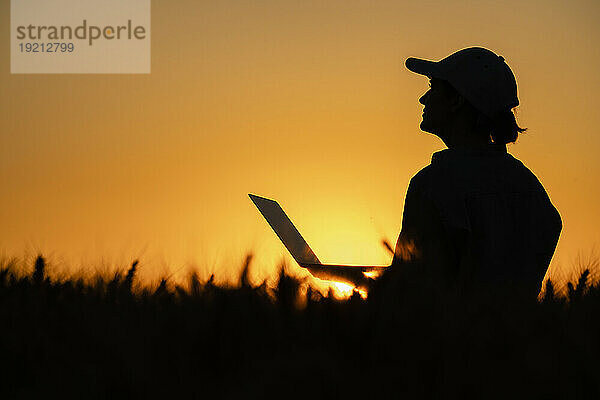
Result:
[423,238]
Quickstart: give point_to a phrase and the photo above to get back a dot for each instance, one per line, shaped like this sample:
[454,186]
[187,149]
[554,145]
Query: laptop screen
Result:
[285,229]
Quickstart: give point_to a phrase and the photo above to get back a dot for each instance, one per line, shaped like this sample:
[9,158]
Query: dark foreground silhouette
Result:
[104,339]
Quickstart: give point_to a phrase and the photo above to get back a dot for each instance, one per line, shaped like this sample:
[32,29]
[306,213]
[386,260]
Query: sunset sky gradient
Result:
[306,102]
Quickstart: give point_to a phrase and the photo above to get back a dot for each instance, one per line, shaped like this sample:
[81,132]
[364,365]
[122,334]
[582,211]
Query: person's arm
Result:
[417,220]
[424,240]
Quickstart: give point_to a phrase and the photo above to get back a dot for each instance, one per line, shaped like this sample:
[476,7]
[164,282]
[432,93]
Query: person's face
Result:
[438,107]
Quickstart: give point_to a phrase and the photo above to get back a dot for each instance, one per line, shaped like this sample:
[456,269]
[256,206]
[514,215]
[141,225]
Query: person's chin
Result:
[425,127]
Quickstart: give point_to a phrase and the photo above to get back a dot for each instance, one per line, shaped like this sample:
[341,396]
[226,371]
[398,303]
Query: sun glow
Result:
[362,292]
[339,290]
[373,274]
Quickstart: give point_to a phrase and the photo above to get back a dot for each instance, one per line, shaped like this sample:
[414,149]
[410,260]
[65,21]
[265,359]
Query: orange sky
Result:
[307,102]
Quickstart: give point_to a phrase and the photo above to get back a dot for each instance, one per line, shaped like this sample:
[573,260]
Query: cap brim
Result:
[423,67]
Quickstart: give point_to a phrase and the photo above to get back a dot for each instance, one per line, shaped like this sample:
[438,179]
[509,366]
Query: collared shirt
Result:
[481,216]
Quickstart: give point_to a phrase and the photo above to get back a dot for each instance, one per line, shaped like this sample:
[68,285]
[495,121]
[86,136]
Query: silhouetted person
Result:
[476,217]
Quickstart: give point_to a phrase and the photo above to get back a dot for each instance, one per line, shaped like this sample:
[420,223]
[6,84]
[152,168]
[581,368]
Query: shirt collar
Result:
[461,151]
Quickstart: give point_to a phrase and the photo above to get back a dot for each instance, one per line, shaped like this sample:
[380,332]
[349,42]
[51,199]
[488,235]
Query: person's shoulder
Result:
[441,162]
[424,175]
[522,170]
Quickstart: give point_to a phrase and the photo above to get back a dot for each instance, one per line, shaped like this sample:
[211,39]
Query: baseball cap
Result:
[478,74]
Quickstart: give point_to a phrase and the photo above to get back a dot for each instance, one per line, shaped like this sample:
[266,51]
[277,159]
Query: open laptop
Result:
[301,251]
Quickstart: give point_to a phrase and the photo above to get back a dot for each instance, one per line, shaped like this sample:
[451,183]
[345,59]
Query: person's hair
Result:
[503,128]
